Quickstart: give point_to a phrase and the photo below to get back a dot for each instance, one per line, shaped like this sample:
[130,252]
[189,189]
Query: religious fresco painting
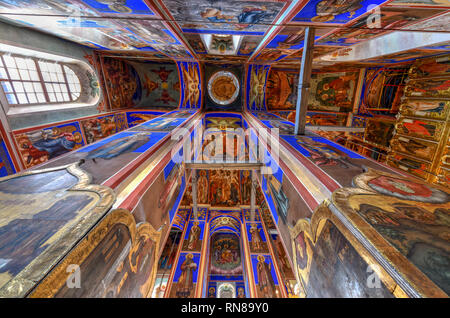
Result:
[332,92]
[421,128]
[194,236]
[122,79]
[257,239]
[414,147]
[224,87]
[329,155]
[332,11]
[225,255]
[112,152]
[191,85]
[128,265]
[408,214]
[159,83]
[139,117]
[203,186]
[186,275]
[417,167]
[253,17]
[265,277]
[432,87]
[38,146]
[316,227]
[389,18]
[256,83]
[431,109]
[224,188]
[98,128]
[379,131]
[281,91]
[333,262]
[166,124]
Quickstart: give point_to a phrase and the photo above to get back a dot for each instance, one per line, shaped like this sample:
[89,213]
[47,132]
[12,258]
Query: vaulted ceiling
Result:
[237,31]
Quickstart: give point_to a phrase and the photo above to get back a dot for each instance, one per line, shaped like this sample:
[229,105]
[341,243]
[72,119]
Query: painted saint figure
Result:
[256,242]
[185,285]
[194,235]
[266,284]
[246,187]
[202,187]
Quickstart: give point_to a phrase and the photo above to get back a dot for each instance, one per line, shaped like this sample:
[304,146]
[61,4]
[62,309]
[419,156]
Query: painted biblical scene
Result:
[337,161]
[194,236]
[320,118]
[38,146]
[379,131]
[420,128]
[389,18]
[431,109]
[246,187]
[332,268]
[166,124]
[257,239]
[419,3]
[141,85]
[249,44]
[121,80]
[333,92]
[38,211]
[139,117]
[412,165]
[433,67]
[106,157]
[98,128]
[333,11]
[224,188]
[202,186]
[117,268]
[411,216]
[169,252]
[432,87]
[186,275]
[414,147]
[195,42]
[281,91]
[265,277]
[253,17]
[225,255]
[120,7]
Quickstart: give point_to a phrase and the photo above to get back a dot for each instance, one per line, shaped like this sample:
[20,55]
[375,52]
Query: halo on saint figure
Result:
[223,87]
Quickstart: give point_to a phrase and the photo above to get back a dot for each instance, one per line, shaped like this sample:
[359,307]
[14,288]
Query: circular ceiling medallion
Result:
[223,87]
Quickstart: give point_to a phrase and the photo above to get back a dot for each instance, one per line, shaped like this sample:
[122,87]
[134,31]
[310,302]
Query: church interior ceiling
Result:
[234,32]
[161,63]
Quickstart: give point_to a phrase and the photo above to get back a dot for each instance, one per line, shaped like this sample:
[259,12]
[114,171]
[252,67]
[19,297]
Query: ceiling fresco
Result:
[228,31]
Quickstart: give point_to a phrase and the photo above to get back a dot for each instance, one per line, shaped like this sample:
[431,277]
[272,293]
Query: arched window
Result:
[32,81]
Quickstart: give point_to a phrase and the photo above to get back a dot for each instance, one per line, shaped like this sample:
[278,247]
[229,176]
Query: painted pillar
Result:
[304,82]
